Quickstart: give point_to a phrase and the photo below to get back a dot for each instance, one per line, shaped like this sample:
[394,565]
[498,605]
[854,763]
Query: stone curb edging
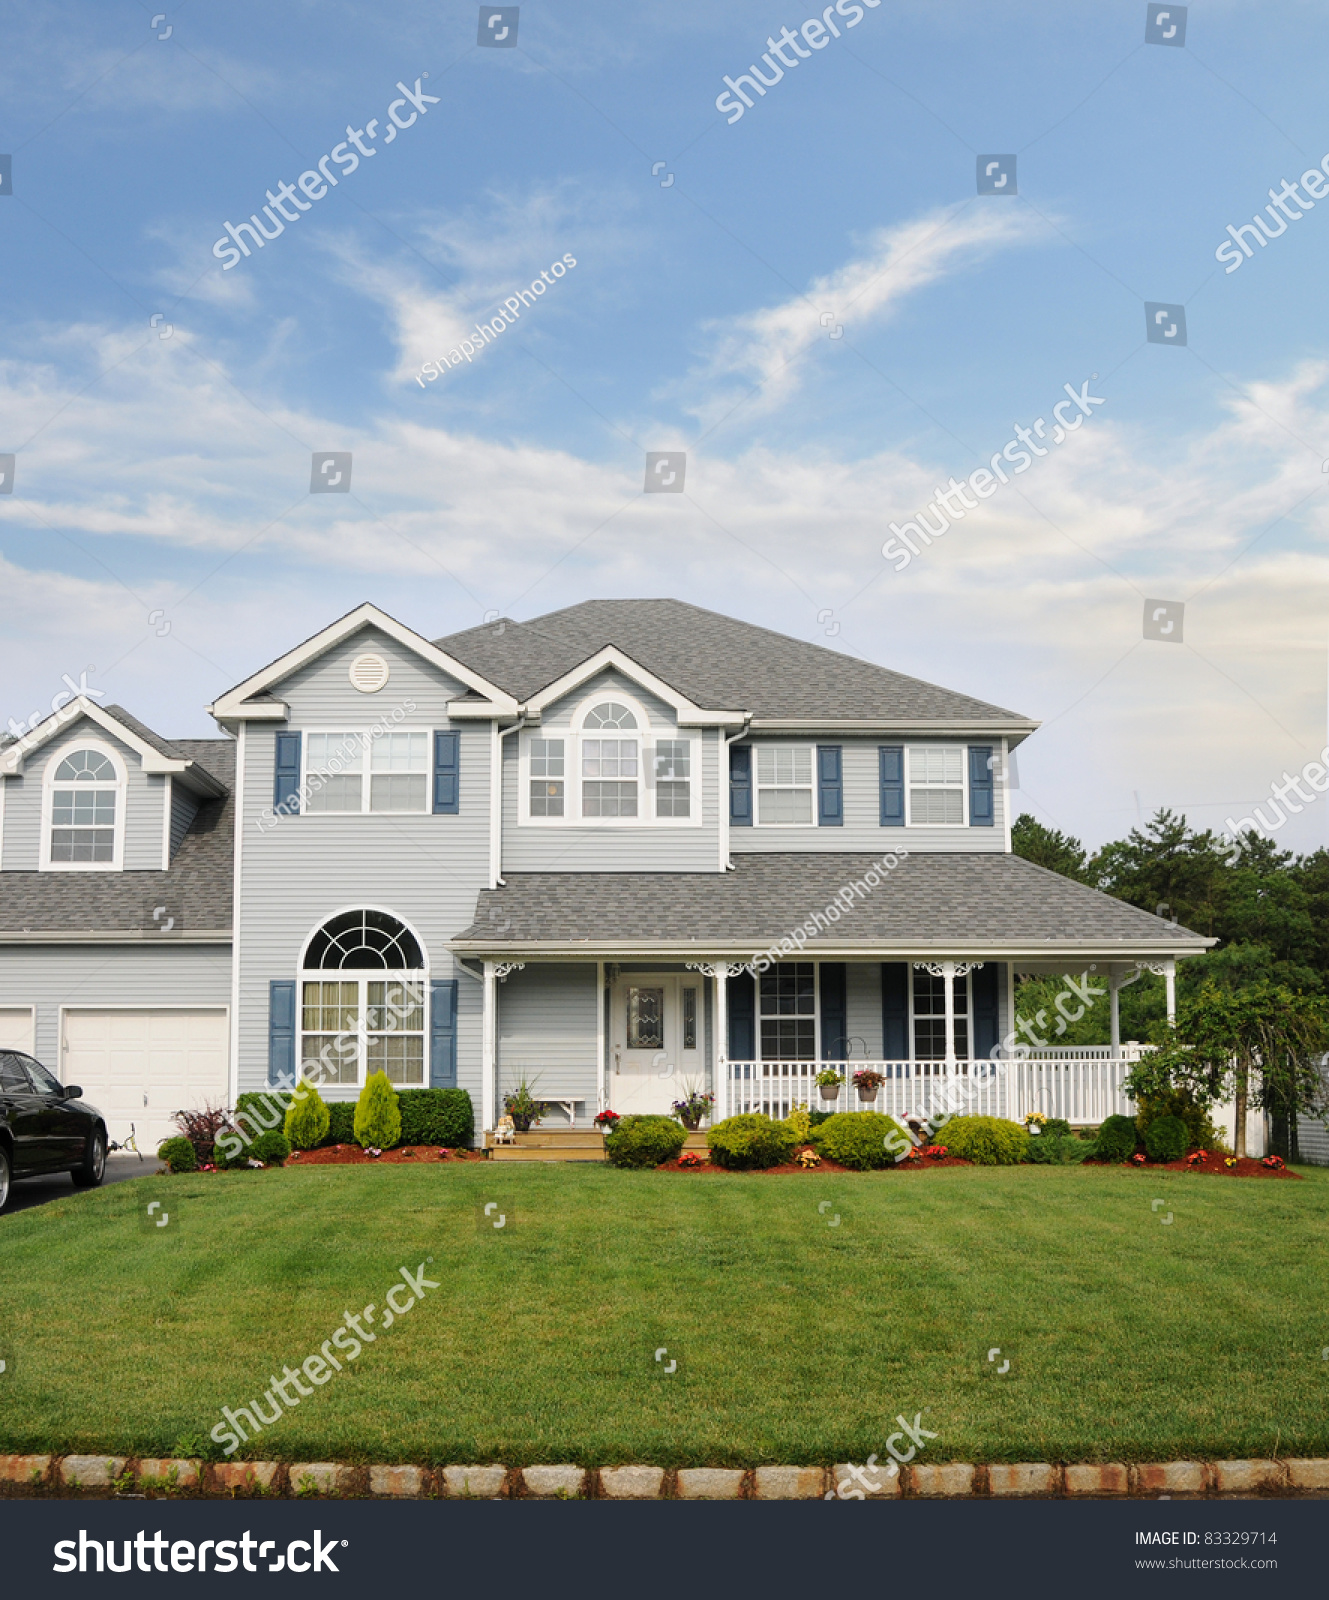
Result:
[102,1476]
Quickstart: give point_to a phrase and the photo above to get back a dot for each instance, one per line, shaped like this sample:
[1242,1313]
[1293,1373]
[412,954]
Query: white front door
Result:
[655,1053]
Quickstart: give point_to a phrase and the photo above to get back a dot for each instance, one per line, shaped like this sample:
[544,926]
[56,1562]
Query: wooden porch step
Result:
[509,1152]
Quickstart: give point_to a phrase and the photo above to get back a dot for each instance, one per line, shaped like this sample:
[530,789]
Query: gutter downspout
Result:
[496,803]
[726,860]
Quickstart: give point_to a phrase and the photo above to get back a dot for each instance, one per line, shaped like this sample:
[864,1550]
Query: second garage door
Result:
[141,1067]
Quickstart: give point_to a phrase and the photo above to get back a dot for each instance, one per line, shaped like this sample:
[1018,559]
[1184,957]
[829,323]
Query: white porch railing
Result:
[1080,1087]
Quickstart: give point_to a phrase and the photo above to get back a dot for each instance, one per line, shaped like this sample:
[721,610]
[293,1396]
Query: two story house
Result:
[620,850]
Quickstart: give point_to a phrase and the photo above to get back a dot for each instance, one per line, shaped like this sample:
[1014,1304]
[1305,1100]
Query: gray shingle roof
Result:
[716,661]
[196,891]
[972,901]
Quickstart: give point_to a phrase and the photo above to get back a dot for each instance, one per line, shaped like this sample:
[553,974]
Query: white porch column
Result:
[1170,979]
[488,1048]
[601,1091]
[1114,1010]
[721,971]
[948,975]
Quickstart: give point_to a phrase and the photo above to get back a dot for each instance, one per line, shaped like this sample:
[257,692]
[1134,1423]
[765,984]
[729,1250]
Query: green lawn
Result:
[796,1341]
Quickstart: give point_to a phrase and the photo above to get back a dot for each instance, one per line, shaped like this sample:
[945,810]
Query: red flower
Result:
[1138,1158]
[1274,1163]
[937,1151]
[689,1158]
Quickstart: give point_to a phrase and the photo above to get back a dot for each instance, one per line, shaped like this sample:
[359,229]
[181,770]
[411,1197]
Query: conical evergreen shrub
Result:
[377,1115]
[307,1118]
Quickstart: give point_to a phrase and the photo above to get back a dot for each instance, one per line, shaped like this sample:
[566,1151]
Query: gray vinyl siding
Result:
[612,847]
[299,871]
[184,808]
[51,976]
[145,796]
[547,1030]
[862,829]
[863,1009]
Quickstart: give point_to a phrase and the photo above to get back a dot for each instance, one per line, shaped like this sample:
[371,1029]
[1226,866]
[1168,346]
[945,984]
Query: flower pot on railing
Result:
[868,1082]
[868,1096]
[829,1085]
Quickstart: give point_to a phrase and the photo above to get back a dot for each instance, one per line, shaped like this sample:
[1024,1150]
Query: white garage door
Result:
[16,1028]
[141,1067]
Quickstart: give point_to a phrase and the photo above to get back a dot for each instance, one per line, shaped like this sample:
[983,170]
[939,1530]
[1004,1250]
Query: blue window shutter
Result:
[891,758]
[980,786]
[894,1011]
[447,766]
[830,788]
[740,787]
[742,1017]
[443,1033]
[286,778]
[985,986]
[834,1011]
[281,1029]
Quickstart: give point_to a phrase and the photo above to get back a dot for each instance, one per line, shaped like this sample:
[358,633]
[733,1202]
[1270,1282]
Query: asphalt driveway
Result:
[25,1193]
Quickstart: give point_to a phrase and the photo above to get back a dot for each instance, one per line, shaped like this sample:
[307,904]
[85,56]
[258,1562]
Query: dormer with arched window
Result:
[83,809]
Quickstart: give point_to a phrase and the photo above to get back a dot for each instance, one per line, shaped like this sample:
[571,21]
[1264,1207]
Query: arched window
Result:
[370,1016]
[610,714]
[85,809]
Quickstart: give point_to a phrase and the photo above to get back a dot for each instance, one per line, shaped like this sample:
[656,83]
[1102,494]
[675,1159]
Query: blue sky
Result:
[167,478]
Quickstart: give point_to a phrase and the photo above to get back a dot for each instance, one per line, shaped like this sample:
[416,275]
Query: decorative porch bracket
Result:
[1167,970]
[503,968]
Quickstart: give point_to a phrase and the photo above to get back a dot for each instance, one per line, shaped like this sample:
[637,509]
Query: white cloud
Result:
[762,347]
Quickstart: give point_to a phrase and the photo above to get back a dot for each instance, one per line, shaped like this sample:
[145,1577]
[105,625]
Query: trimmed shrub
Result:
[1058,1150]
[818,1117]
[862,1140]
[1116,1139]
[750,1142]
[178,1154]
[1201,1134]
[987,1141]
[307,1119]
[645,1141]
[341,1122]
[377,1117]
[437,1116]
[1057,1127]
[1166,1139]
[271,1148]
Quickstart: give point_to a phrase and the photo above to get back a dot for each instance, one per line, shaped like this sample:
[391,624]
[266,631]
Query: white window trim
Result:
[963,787]
[574,732]
[816,1010]
[367,743]
[306,974]
[117,862]
[783,744]
[967,1017]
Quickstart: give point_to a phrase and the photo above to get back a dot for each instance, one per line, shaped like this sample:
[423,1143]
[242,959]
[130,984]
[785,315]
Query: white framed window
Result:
[936,786]
[787,1011]
[605,769]
[786,789]
[548,778]
[929,1017]
[83,810]
[362,1002]
[355,771]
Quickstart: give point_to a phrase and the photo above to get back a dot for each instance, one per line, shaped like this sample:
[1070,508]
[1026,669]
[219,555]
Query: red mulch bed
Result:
[351,1155]
[1212,1166]
[825,1166]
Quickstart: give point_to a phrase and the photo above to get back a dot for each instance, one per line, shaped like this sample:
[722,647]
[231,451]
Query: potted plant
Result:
[829,1083]
[867,1082]
[692,1107]
[1034,1121]
[522,1106]
[607,1120]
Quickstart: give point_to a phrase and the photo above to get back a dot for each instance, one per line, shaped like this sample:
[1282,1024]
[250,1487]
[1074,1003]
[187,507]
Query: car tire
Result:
[6,1177]
[93,1170]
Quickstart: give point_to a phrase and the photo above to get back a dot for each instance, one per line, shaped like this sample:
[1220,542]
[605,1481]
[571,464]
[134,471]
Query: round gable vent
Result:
[369,673]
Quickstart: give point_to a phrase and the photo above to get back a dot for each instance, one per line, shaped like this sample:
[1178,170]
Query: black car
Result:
[43,1128]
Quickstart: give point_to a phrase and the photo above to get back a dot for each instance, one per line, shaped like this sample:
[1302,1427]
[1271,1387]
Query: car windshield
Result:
[41,1078]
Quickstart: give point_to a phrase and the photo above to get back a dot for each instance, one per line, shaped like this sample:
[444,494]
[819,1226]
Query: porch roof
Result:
[964,905]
